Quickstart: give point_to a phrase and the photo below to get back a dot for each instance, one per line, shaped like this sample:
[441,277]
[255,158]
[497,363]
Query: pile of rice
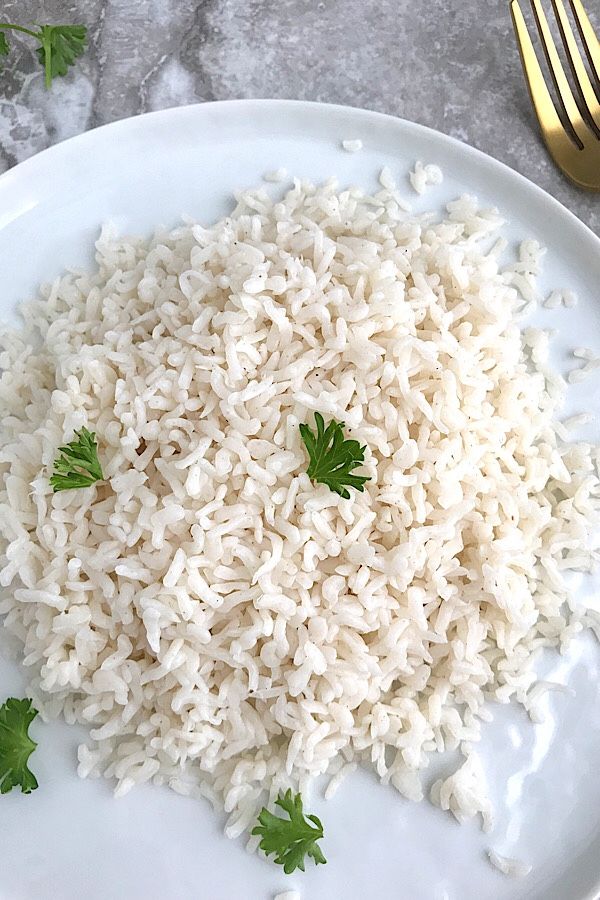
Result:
[221,623]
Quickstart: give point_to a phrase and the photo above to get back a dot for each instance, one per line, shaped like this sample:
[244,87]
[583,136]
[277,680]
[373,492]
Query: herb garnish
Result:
[78,465]
[60,45]
[16,746]
[290,841]
[332,457]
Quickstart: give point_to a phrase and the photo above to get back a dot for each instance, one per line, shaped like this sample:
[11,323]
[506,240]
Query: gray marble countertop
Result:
[449,64]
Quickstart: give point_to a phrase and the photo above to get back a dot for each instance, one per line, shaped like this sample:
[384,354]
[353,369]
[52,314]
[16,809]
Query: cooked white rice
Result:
[423,177]
[560,298]
[578,421]
[553,301]
[352,145]
[219,622]
[335,782]
[576,376]
[514,868]
[539,689]
[465,793]
[275,175]
[585,353]
[288,895]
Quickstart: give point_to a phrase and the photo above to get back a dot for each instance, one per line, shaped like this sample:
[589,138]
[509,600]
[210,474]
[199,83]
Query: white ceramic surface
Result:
[70,839]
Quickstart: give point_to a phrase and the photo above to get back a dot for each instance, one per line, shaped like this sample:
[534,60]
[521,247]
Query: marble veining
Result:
[449,64]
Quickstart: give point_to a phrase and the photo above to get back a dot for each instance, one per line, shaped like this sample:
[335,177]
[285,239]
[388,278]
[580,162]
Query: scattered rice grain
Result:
[514,868]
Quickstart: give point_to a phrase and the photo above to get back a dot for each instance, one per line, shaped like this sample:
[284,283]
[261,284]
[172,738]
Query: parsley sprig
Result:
[77,465]
[291,840]
[332,458]
[16,746]
[59,46]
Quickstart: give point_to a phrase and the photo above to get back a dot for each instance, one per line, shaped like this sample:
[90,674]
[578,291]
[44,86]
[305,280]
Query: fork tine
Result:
[557,71]
[550,123]
[588,36]
[584,85]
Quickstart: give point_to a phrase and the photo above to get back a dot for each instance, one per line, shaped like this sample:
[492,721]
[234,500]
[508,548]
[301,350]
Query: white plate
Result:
[71,839]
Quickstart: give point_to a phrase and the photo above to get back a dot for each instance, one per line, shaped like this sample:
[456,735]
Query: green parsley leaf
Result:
[332,458]
[291,840]
[78,465]
[61,45]
[16,746]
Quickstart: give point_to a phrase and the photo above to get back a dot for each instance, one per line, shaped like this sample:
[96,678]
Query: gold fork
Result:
[574,146]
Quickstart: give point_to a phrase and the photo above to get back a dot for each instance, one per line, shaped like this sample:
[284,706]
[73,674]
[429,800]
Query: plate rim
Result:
[37,161]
